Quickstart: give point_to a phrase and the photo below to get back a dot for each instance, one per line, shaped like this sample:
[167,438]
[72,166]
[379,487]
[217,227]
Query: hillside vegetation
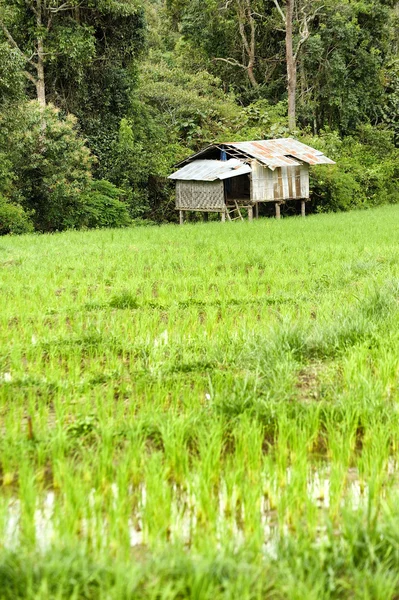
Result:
[207,411]
[99,99]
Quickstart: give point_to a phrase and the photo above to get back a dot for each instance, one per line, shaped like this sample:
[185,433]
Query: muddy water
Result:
[184,511]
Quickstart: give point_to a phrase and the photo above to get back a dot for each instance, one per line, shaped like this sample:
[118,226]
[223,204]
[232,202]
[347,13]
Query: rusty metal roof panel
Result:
[282,152]
[265,155]
[210,170]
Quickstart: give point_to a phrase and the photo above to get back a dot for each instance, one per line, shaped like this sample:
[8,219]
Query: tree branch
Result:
[241,18]
[30,77]
[14,44]
[280,11]
[304,30]
[232,61]
[253,30]
[304,36]
[63,7]
[31,7]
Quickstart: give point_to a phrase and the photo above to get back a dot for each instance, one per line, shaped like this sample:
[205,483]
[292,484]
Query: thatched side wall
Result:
[200,195]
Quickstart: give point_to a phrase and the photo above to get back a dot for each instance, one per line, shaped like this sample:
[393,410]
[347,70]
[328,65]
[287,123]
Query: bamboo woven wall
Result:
[200,195]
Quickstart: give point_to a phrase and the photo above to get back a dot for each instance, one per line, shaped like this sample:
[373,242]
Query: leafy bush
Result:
[46,168]
[367,171]
[50,163]
[6,175]
[11,74]
[13,218]
[102,207]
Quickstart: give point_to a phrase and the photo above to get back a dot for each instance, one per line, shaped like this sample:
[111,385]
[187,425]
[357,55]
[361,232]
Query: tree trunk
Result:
[244,13]
[251,75]
[40,85]
[291,66]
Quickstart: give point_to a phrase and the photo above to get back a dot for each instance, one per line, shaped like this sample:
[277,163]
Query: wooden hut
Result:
[225,178]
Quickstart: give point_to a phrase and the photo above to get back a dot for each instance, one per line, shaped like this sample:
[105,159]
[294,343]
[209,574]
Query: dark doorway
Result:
[238,188]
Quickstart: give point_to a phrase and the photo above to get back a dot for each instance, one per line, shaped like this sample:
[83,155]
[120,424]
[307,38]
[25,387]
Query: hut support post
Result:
[303,208]
[257,210]
[181,217]
[250,213]
[278,214]
[206,217]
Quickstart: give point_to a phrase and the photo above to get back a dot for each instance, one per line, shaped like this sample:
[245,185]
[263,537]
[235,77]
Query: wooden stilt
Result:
[257,210]
[206,217]
[303,208]
[250,213]
[278,210]
[223,216]
[181,217]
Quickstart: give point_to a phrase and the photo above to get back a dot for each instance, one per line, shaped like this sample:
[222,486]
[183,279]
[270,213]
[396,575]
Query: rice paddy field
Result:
[205,412]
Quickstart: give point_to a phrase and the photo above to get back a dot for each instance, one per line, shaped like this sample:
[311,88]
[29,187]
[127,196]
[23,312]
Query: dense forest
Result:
[100,98]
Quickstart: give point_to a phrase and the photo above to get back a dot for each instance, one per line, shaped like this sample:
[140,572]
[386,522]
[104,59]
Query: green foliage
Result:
[93,73]
[342,62]
[390,107]
[90,49]
[6,174]
[265,120]
[13,218]
[172,114]
[367,171]
[50,164]
[124,300]
[58,194]
[181,100]
[139,113]
[102,206]
[11,77]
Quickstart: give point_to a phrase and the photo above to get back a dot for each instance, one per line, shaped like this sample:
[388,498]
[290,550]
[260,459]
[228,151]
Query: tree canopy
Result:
[117,91]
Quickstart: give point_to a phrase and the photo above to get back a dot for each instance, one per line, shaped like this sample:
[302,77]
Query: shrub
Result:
[367,171]
[102,207]
[13,218]
[51,164]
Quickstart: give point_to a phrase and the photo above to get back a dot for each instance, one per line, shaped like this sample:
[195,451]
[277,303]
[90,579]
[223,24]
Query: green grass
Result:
[214,411]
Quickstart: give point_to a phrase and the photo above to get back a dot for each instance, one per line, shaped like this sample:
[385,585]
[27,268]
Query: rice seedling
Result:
[201,412]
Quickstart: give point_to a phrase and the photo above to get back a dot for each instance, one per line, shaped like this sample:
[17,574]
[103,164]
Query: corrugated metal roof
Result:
[282,152]
[243,170]
[210,170]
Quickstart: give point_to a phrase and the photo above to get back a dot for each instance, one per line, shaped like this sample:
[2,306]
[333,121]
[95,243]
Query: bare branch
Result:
[280,11]
[304,29]
[63,7]
[304,36]
[252,27]
[232,61]
[244,37]
[30,77]
[31,6]
[245,18]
